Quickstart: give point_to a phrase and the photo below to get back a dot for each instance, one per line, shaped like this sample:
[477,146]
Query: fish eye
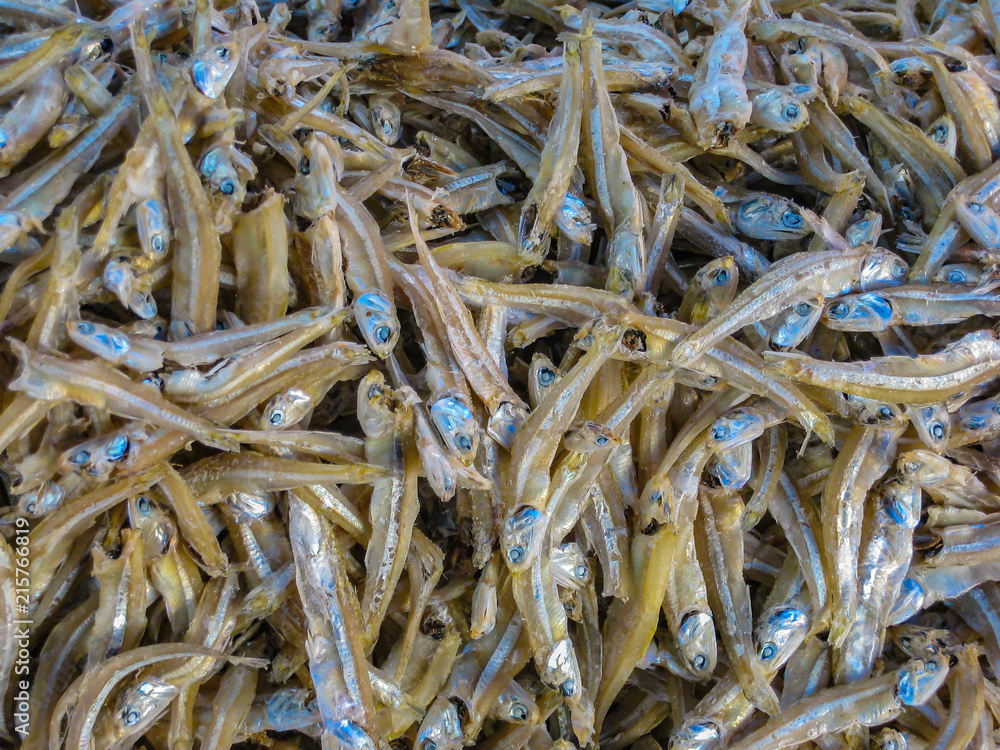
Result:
[117,448]
[374,391]
[227,187]
[156,242]
[898,270]
[767,651]
[143,504]
[277,417]
[700,662]
[518,712]
[720,433]
[107,46]
[85,327]
[975,207]
[567,688]
[546,376]
[657,497]
[911,467]
[464,443]
[838,310]
[721,276]
[601,440]
[223,53]
[956,277]
[430,746]
[80,457]
[791,112]
[132,716]
[30,507]
[791,219]
[383,334]
[515,554]
[885,412]
[803,309]
[932,666]
[937,431]
[940,133]
[800,44]
[304,165]
[581,571]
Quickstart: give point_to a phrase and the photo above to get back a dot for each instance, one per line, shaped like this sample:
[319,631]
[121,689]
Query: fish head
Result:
[441,728]
[506,421]
[656,505]
[864,231]
[719,279]
[868,311]
[781,109]
[139,705]
[542,375]
[889,739]
[767,217]
[697,733]
[457,425]
[791,326]
[933,423]
[979,220]
[570,567]
[590,437]
[901,502]
[920,642]
[153,227]
[212,69]
[561,671]
[733,466]
[881,268]
[286,409]
[522,536]
[923,467]
[780,633]
[740,425]
[919,679]
[376,318]
[696,644]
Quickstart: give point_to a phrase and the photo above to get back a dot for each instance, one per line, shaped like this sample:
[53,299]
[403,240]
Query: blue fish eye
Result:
[464,443]
[80,457]
[383,334]
[117,447]
[937,431]
[885,412]
[228,187]
[515,554]
[767,651]
[156,242]
[601,440]
[546,376]
[791,219]
[839,310]
[721,276]
[143,504]
[803,309]
[700,662]
[85,327]
[956,277]
[720,433]
[277,417]
[791,112]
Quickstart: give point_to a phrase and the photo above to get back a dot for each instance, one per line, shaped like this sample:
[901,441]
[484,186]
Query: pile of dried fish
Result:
[390,373]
